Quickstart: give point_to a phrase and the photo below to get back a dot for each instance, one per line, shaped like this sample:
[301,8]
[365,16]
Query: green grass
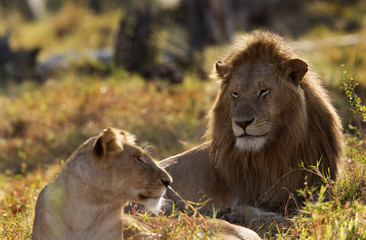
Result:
[42,124]
[338,211]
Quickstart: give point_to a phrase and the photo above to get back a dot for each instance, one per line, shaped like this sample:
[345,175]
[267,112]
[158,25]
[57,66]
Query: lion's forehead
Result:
[254,74]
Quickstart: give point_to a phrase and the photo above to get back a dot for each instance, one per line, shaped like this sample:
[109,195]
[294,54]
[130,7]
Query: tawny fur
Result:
[85,200]
[307,130]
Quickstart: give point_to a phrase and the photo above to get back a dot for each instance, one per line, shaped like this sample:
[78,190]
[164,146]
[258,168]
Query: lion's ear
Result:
[221,69]
[294,70]
[108,143]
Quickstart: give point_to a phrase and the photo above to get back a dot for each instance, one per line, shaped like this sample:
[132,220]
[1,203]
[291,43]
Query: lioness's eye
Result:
[264,92]
[140,160]
[234,95]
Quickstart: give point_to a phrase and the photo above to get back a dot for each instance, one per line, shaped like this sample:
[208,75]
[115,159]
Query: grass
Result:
[178,225]
[52,127]
[18,195]
[42,124]
[338,212]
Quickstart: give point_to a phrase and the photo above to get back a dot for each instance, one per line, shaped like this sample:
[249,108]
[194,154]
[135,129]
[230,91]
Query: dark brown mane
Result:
[313,131]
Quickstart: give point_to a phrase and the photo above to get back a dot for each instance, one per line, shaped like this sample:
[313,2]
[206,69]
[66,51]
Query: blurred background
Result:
[68,69]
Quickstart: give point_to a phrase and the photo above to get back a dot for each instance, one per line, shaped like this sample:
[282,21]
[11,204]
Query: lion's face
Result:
[251,92]
[255,103]
[130,172]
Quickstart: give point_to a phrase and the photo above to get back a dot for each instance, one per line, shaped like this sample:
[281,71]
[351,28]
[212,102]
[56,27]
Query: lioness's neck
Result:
[83,211]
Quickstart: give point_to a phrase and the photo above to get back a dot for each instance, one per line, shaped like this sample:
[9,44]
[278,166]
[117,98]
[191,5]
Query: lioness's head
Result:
[260,90]
[127,170]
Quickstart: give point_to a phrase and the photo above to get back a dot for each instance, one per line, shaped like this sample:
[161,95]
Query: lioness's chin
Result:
[154,204]
[250,144]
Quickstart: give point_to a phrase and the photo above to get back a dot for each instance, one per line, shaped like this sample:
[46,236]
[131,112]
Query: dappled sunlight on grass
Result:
[58,116]
[18,196]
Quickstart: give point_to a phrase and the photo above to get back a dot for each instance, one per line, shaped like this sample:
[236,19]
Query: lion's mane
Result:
[313,131]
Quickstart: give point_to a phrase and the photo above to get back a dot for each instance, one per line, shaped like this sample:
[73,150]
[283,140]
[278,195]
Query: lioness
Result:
[85,200]
[271,117]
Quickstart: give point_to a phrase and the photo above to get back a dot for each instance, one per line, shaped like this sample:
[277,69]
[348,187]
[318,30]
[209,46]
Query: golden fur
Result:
[271,116]
[85,200]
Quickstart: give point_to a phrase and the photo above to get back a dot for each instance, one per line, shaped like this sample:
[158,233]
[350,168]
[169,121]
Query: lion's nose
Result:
[244,124]
[166,182]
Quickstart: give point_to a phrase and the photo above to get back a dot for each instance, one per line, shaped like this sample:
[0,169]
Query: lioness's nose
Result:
[166,182]
[244,124]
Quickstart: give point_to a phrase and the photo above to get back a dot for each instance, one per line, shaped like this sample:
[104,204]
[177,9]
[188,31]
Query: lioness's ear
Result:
[108,143]
[294,69]
[221,69]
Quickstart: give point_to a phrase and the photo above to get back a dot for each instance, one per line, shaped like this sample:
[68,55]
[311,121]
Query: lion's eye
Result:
[264,92]
[234,95]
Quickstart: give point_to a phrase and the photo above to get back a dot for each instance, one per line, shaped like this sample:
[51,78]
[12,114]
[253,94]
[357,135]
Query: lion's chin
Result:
[250,144]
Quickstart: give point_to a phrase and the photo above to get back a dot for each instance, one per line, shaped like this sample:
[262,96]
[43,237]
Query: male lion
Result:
[85,200]
[271,117]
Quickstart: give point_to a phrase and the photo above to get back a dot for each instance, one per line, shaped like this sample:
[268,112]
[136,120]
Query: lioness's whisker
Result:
[187,203]
[171,189]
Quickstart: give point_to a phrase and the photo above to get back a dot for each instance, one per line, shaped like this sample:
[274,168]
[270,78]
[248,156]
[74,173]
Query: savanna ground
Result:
[43,123]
